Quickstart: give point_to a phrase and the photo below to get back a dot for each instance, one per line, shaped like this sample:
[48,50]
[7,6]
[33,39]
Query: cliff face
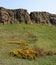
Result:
[8,16]
[43,18]
[14,16]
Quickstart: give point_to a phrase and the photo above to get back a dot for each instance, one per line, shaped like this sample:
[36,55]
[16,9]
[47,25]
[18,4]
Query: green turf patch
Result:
[37,36]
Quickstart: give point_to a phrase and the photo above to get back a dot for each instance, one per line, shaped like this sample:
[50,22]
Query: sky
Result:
[30,5]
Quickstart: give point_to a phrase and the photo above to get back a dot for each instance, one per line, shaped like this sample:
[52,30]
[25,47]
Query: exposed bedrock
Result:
[10,16]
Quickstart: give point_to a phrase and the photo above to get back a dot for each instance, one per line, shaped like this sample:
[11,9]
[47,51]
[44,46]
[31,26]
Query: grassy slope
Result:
[41,36]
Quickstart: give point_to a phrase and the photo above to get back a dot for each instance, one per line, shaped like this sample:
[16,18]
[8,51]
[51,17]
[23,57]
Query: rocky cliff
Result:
[43,18]
[9,16]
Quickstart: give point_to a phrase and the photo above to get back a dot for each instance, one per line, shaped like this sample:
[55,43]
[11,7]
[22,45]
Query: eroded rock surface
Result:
[14,16]
[9,16]
[43,18]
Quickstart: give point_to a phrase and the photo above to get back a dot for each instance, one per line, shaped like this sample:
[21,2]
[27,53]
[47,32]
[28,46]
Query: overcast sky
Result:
[30,5]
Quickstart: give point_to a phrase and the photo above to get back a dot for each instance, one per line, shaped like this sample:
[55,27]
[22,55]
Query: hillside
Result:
[37,36]
[10,16]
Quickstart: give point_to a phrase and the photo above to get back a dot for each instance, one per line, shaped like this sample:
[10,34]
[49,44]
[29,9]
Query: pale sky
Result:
[30,5]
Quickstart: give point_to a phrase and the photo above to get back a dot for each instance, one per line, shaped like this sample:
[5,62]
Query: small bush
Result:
[50,53]
[24,53]
[31,53]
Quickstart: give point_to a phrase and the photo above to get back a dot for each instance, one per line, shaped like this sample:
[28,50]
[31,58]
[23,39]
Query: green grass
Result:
[40,36]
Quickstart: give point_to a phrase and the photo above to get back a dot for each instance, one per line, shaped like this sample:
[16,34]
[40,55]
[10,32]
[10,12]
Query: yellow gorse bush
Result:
[24,53]
[31,53]
[20,42]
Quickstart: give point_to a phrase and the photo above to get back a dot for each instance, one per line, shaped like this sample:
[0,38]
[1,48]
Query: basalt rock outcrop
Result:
[9,16]
[14,16]
[43,18]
